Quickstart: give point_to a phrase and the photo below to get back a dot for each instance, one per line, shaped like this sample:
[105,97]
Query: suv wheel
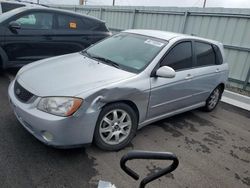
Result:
[116,127]
[213,99]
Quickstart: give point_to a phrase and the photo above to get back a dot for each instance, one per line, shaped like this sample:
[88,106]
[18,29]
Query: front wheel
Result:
[213,99]
[115,127]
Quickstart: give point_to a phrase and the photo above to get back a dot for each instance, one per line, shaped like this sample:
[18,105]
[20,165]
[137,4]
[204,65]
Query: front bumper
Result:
[65,132]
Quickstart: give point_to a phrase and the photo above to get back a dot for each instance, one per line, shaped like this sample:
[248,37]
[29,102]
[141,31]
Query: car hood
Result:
[68,75]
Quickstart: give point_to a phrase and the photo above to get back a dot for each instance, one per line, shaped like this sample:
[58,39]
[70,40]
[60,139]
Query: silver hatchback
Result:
[115,87]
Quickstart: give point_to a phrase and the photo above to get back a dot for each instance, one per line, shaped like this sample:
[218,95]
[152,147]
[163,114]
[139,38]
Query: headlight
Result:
[60,106]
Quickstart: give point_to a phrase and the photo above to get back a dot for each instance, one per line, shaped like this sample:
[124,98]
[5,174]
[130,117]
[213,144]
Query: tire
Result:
[116,127]
[213,99]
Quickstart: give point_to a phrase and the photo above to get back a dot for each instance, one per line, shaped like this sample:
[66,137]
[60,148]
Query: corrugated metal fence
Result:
[230,26]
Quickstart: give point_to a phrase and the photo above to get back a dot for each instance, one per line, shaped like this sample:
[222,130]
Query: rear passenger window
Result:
[69,22]
[180,57]
[205,54]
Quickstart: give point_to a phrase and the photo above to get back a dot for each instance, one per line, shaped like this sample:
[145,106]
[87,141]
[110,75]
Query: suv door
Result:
[207,66]
[171,94]
[69,34]
[32,41]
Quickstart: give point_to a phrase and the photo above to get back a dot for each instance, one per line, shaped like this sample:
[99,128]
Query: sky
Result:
[176,3]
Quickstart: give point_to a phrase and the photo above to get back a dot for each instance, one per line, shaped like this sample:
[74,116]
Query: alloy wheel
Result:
[214,98]
[115,126]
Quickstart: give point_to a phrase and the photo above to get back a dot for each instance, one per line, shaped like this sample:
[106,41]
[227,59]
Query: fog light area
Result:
[47,136]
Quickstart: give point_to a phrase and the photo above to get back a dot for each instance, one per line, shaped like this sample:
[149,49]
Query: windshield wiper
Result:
[86,53]
[108,61]
[105,60]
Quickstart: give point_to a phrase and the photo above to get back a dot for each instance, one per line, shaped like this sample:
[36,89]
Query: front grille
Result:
[22,94]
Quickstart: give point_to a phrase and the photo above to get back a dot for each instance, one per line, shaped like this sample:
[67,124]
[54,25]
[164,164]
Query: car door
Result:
[208,61]
[69,35]
[32,41]
[171,94]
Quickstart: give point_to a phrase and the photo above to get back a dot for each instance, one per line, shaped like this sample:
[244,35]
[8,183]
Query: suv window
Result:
[205,54]
[10,6]
[36,21]
[69,22]
[180,57]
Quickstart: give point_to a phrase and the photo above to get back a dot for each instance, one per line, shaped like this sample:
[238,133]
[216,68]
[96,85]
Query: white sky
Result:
[177,3]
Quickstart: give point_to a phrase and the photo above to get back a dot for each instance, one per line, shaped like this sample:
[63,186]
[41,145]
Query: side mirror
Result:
[165,72]
[14,25]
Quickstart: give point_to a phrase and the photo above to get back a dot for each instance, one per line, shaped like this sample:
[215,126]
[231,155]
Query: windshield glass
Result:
[8,14]
[130,52]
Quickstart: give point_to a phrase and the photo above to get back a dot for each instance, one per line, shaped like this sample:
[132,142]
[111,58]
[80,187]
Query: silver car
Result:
[107,92]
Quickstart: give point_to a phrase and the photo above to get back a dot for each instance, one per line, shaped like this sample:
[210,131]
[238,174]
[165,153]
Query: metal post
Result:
[204,4]
[113,3]
[132,26]
[100,13]
[81,2]
[184,21]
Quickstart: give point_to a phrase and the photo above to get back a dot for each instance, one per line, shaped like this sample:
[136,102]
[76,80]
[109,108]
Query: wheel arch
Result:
[222,86]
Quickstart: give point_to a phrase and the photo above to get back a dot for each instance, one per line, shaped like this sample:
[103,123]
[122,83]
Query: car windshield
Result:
[9,14]
[127,51]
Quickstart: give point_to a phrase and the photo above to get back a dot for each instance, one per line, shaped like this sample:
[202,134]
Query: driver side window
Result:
[36,20]
[179,57]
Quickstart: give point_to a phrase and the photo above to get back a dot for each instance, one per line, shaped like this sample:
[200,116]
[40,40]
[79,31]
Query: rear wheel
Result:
[116,127]
[213,99]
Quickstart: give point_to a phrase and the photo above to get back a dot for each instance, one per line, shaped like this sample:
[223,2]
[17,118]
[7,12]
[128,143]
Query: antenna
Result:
[204,4]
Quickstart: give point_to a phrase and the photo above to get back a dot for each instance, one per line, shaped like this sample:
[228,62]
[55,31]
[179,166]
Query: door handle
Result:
[189,76]
[217,70]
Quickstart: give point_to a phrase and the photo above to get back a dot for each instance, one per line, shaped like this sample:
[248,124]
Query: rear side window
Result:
[69,22]
[37,20]
[180,57]
[219,58]
[100,27]
[10,6]
[92,25]
[205,54]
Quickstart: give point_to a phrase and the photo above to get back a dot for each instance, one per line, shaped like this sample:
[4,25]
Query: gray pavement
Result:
[213,150]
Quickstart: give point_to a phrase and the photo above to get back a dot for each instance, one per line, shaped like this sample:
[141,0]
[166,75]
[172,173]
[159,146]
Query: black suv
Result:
[29,34]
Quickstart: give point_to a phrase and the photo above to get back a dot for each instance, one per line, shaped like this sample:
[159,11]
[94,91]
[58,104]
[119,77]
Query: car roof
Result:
[31,4]
[166,35]
[58,11]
